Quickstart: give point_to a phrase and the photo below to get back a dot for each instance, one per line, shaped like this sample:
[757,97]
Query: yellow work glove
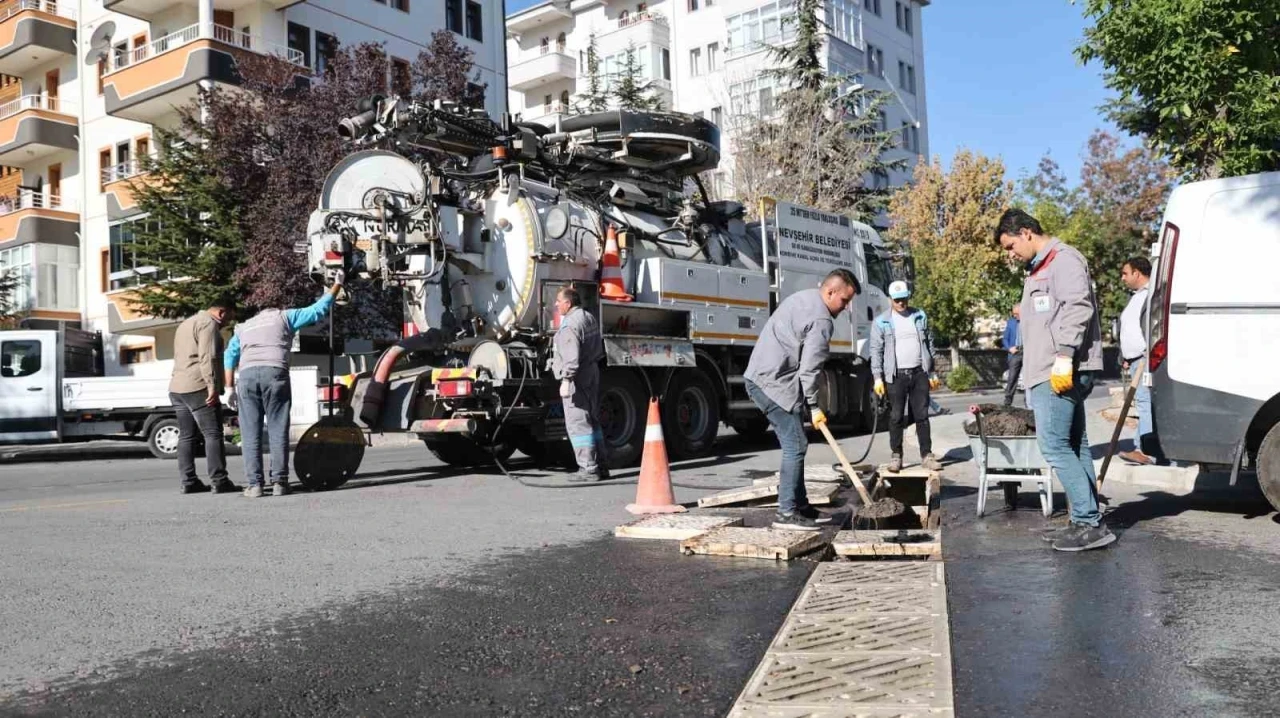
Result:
[1060,379]
[879,387]
[934,382]
[818,418]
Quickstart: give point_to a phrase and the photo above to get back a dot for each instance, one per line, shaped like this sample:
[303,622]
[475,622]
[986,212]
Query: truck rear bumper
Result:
[1196,424]
[443,426]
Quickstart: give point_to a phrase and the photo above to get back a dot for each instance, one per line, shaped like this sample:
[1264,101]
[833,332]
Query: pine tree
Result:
[631,89]
[9,310]
[595,98]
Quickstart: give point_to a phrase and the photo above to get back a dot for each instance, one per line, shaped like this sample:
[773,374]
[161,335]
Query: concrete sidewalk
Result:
[108,449]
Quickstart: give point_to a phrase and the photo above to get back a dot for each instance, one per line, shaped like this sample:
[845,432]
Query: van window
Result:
[19,358]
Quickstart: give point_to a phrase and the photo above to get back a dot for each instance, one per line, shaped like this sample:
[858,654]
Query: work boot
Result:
[225,487]
[254,491]
[584,477]
[1083,538]
[895,463]
[198,487]
[279,488]
[794,521]
[929,462]
[811,512]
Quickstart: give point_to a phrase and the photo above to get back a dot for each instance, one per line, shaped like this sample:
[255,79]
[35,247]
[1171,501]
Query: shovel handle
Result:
[844,463]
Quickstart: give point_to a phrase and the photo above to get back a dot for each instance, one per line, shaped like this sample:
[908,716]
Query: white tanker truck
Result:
[478,224]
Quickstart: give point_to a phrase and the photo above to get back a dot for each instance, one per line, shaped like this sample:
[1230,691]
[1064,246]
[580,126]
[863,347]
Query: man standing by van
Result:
[194,390]
[1062,348]
[1136,274]
[902,357]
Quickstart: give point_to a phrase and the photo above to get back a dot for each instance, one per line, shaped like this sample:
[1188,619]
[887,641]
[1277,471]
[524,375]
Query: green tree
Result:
[10,312]
[947,220]
[594,98]
[1199,78]
[630,88]
[192,234]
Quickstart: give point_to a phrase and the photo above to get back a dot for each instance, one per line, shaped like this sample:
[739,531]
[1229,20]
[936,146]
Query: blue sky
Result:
[1001,80]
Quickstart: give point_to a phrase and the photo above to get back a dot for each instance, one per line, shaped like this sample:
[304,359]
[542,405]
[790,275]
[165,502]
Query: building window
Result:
[560,42]
[124,270]
[907,77]
[695,62]
[137,355]
[875,61]
[453,15]
[16,261]
[475,21]
[717,116]
[883,124]
[326,49]
[910,137]
[57,277]
[872,6]
[713,57]
[902,13]
[401,78]
[760,28]
[300,40]
[844,21]
[693,5]
[401,5]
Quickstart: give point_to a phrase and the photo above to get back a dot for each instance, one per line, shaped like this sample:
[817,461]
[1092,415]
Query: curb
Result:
[1174,479]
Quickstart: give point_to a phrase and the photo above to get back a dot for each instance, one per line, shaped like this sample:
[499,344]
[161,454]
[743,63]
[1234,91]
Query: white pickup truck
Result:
[51,390]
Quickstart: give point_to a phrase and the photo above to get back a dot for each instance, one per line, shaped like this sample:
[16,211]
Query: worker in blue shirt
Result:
[261,348]
[1013,347]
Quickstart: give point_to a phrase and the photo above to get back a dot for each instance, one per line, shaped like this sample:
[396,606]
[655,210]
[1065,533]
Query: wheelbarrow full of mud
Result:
[1009,461]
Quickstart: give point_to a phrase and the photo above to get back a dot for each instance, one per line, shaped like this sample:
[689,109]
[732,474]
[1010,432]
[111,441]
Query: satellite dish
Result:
[100,43]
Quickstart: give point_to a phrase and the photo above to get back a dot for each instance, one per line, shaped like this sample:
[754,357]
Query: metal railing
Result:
[123,171]
[61,9]
[547,49]
[188,35]
[35,102]
[636,18]
[31,199]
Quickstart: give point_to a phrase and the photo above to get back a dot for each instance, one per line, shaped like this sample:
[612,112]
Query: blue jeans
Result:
[789,426]
[1060,428]
[265,394]
[1146,438]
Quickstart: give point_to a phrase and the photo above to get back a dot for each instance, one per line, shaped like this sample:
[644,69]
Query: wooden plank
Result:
[913,542]
[674,526]
[776,544]
[739,495]
[908,472]
[812,475]
[819,494]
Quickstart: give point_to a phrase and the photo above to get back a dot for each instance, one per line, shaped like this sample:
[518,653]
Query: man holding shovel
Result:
[782,378]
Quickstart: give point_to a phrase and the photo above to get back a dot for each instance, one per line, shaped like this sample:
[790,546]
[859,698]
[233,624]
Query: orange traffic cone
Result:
[611,286]
[653,494]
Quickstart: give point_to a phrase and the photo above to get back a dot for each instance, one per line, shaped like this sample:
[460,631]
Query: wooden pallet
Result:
[820,494]
[674,526]
[924,543]
[775,544]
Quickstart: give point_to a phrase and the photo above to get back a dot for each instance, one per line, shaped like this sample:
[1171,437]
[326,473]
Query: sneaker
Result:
[279,489]
[1054,533]
[895,463]
[225,487]
[1137,457]
[583,477]
[1084,538]
[198,487]
[929,462]
[254,491]
[811,512]
[794,521]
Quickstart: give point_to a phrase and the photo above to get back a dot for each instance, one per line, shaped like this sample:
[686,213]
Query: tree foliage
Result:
[631,89]
[594,98]
[1199,78]
[10,312]
[947,220]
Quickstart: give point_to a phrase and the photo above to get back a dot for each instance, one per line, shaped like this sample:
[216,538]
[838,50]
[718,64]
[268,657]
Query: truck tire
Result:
[690,415]
[162,439]
[462,452]
[624,407]
[752,430]
[1269,466]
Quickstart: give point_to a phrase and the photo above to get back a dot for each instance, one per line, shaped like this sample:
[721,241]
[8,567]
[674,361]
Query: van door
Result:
[28,386]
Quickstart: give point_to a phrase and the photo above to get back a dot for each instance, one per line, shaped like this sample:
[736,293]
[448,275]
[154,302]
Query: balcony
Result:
[546,114]
[123,317]
[35,32]
[638,28]
[548,67]
[31,216]
[535,18]
[149,9]
[35,126]
[149,82]
[119,185]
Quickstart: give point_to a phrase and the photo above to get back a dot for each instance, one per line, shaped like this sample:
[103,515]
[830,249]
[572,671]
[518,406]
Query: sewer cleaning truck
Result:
[477,224]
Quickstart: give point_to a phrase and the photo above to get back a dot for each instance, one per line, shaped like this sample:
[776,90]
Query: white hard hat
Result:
[899,290]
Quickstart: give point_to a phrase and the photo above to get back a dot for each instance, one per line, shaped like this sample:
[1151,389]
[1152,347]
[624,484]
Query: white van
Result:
[1214,334]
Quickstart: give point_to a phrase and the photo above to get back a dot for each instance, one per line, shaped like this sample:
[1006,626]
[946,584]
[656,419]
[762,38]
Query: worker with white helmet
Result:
[902,366]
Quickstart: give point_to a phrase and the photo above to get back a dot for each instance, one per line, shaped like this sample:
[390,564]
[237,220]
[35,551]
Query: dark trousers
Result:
[195,418]
[788,426]
[1011,384]
[909,391]
[265,394]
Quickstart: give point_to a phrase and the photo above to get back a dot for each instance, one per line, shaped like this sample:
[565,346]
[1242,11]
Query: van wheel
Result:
[163,439]
[1269,466]
[690,415]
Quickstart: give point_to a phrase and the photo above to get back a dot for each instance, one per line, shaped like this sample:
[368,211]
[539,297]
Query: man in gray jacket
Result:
[782,377]
[1062,348]
[902,357]
[578,351]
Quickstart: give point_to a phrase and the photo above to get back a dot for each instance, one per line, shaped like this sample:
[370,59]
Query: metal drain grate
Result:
[865,632]
[878,572]
[872,598]
[876,679]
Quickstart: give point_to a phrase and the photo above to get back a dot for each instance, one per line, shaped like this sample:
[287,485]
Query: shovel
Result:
[867,503]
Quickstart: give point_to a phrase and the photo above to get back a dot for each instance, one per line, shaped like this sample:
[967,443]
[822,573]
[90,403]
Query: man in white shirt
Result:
[1136,274]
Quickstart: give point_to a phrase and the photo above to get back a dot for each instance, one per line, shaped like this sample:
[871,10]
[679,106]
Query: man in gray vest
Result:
[578,352]
[261,348]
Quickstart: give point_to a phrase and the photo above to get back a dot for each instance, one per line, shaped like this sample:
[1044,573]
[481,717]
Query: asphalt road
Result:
[419,590]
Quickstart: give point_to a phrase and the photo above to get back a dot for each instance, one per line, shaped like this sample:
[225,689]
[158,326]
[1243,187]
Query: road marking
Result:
[77,505]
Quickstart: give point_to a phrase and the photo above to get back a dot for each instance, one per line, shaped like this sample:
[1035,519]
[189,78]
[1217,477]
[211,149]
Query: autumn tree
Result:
[947,220]
[631,90]
[594,97]
[440,72]
[1199,80]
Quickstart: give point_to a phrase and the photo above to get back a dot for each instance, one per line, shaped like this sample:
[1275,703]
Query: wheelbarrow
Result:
[1010,461]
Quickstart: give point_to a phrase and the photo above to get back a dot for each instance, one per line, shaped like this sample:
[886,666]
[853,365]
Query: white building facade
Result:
[708,57]
[88,80]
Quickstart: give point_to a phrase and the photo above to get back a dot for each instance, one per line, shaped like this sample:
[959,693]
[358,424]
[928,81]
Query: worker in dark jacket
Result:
[782,378]
[261,349]
[579,350]
[902,359]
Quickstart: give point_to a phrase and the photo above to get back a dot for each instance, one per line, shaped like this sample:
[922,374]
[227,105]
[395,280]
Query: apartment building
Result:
[86,81]
[708,57]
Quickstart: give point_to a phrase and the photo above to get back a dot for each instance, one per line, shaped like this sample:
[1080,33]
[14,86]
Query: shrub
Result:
[962,378]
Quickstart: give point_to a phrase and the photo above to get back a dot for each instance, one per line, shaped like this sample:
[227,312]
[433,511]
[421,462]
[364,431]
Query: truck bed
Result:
[114,393]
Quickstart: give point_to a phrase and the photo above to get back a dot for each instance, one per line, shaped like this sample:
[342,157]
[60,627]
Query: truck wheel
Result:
[751,429]
[624,407]
[690,415]
[462,452]
[163,439]
[1269,466]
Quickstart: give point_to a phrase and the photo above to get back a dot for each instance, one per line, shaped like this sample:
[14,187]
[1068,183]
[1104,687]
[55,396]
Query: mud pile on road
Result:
[1000,420]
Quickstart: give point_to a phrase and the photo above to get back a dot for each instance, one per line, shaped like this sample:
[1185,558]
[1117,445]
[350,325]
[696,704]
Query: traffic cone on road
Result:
[611,286]
[653,493]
